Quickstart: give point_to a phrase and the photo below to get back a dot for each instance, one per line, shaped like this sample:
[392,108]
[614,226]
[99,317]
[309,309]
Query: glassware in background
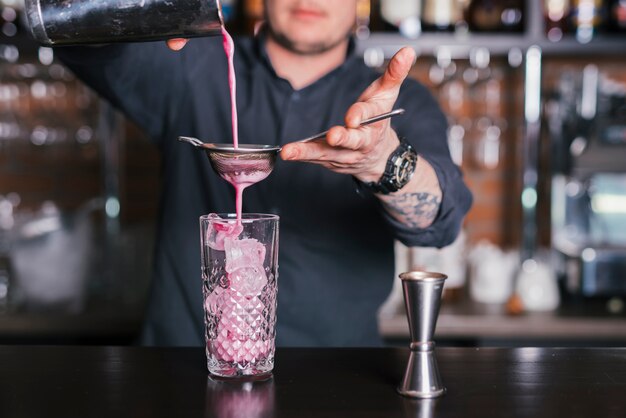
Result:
[7,221]
[484,83]
[456,134]
[41,102]
[239,275]
[447,78]
[492,271]
[52,256]
[50,153]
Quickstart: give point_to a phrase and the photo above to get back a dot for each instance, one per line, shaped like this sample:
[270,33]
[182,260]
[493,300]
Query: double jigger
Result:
[422,297]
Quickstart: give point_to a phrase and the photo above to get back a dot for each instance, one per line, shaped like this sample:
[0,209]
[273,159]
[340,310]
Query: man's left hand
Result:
[360,151]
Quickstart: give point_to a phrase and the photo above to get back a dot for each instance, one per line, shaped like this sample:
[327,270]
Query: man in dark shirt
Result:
[298,77]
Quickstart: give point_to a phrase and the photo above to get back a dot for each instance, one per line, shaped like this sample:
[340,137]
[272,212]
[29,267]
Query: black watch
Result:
[398,171]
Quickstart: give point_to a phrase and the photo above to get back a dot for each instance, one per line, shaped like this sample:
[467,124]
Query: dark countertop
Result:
[97,327]
[136,382]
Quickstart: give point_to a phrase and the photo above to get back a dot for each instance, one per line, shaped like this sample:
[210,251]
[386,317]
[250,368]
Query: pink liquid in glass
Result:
[239,299]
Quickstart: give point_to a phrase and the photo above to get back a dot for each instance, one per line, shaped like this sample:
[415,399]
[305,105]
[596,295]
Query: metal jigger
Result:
[422,298]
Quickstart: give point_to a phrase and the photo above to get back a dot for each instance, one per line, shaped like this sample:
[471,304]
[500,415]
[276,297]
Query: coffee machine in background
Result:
[587,126]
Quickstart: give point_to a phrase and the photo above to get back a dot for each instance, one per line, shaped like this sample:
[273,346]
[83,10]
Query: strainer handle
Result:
[363,123]
[193,141]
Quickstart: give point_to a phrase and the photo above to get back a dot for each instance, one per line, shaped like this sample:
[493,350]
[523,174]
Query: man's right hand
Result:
[176,44]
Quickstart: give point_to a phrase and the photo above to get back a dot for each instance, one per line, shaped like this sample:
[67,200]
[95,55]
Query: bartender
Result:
[339,216]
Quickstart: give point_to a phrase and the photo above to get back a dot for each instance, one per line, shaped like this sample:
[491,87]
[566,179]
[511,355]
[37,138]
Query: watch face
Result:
[399,170]
[404,168]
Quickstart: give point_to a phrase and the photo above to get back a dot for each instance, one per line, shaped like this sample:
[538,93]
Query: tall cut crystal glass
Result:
[239,283]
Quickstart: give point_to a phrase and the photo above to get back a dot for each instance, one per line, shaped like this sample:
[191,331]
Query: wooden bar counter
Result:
[74,381]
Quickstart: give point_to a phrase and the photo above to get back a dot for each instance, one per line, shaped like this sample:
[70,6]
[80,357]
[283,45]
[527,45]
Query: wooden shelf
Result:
[476,321]
[428,44]
[499,44]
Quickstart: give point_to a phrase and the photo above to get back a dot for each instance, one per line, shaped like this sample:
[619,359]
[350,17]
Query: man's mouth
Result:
[303,13]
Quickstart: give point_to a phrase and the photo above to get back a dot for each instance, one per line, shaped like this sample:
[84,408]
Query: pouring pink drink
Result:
[239,270]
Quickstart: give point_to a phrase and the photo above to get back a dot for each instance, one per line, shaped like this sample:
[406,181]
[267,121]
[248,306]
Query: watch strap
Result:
[398,171]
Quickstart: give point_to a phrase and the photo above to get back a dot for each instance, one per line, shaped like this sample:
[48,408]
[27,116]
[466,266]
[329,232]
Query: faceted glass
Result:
[239,276]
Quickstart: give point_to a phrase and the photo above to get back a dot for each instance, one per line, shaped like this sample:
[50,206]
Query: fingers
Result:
[361,111]
[321,153]
[398,68]
[388,85]
[353,144]
[300,151]
[360,139]
[358,112]
[176,44]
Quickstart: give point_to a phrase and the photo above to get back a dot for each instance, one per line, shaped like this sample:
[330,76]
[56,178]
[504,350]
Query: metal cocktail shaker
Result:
[74,22]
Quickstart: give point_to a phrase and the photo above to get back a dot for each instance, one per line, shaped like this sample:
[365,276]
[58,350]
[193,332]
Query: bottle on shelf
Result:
[229,7]
[587,19]
[363,13]
[254,14]
[495,16]
[556,18]
[375,19]
[9,21]
[617,15]
[442,15]
[512,17]
[402,16]
[484,15]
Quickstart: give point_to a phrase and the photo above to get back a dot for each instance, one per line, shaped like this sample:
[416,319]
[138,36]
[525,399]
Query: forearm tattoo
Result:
[416,210]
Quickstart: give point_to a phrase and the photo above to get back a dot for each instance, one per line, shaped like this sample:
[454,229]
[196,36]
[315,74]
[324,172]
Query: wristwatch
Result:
[398,171]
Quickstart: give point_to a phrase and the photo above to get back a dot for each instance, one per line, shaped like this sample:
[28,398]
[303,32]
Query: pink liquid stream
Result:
[229,49]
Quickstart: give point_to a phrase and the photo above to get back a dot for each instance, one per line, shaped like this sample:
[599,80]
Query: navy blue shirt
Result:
[336,262]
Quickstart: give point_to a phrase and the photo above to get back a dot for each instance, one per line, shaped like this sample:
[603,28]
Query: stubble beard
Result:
[305,49]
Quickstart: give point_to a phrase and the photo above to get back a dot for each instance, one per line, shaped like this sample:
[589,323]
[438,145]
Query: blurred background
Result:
[535,94]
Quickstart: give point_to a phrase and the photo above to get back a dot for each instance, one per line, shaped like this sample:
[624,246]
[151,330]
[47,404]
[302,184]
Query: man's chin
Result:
[305,47]
[309,48]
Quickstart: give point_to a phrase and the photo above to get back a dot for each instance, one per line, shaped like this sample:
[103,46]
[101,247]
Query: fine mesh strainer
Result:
[250,163]
[244,165]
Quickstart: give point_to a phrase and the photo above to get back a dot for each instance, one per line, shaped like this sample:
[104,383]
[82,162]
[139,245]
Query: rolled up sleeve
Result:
[424,126]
